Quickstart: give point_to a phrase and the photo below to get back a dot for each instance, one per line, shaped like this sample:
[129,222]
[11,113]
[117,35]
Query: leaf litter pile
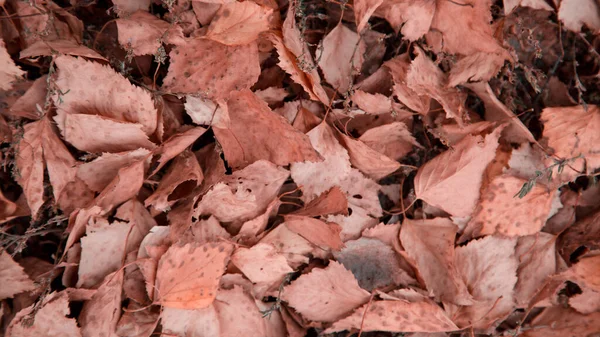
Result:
[218,168]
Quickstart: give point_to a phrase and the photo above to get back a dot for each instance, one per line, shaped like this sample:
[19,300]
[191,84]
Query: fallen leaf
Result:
[489,268]
[98,173]
[137,323]
[321,234]
[235,322]
[124,7]
[559,322]
[576,14]
[10,71]
[175,145]
[501,211]
[188,276]
[396,316]
[27,104]
[229,68]
[372,163]
[537,261]
[478,67]
[245,194]
[184,174]
[325,295]
[393,140]
[451,181]
[430,243]
[372,103]
[238,23]
[411,18]
[199,322]
[13,277]
[363,9]
[342,55]
[143,33]
[48,319]
[509,5]
[262,265]
[106,93]
[123,187]
[66,47]
[426,79]
[399,67]
[100,315]
[374,264]
[330,202]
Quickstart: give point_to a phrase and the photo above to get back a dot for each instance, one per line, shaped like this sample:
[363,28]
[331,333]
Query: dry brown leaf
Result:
[27,105]
[398,68]
[105,93]
[245,194]
[174,146]
[430,243]
[143,33]
[49,319]
[501,211]
[123,187]
[211,68]
[475,68]
[537,261]
[372,163]
[325,295]
[330,202]
[496,111]
[13,278]
[201,110]
[10,71]
[363,9]
[454,22]
[239,23]
[396,316]
[245,141]
[66,47]
[342,57]
[571,133]
[188,276]
[576,13]
[236,322]
[559,322]
[426,79]
[586,272]
[489,268]
[262,265]
[124,7]
[372,103]
[98,173]
[321,234]
[451,181]
[93,133]
[294,247]
[374,264]
[583,233]
[394,140]
[198,323]
[184,174]
[335,170]
[509,5]
[100,315]
[412,18]
[305,120]
[136,322]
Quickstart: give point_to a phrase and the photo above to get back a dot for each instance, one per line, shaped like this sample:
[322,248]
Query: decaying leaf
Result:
[238,23]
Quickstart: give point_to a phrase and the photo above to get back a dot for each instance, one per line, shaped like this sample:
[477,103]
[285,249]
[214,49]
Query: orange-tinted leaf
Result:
[143,33]
[188,276]
[322,234]
[393,140]
[66,47]
[342,55]
[559,322]
[98,173]
[10,72]
[330,202]
[537,260]
[100,315]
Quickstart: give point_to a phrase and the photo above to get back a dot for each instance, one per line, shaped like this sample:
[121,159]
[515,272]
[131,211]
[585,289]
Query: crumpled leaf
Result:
[342,55]
[245,141]
[188,276]
[50,319]
[209,67]
[144,33]
[13,278]
[105,93]
[245,194]
[426,79]
[238,23]
[398,68]
[325,295]
[451,181]
[430,243]
[412,18]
